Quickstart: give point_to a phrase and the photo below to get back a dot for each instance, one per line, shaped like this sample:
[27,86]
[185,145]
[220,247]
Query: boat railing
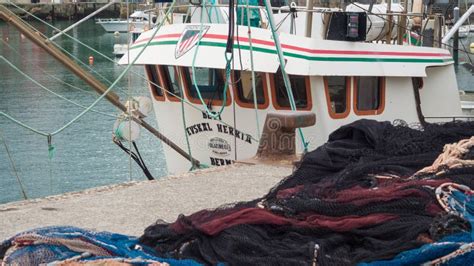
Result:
[451,118]
[108,19]
[400,23]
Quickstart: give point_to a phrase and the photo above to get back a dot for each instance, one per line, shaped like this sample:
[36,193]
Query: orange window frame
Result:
[274,95]
[158,82]
[381,107]
[333,114]
[164,84]
[197,100]
[240,103]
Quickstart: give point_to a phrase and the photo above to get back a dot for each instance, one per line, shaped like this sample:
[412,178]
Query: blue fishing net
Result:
[463,204]
[431,252]
[49,244]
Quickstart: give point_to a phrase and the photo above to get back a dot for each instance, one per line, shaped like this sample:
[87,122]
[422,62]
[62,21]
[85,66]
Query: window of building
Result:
[170,79]
[300,88]
[153,81]
[369,95]
[337,90]
[211,84]
[244,89]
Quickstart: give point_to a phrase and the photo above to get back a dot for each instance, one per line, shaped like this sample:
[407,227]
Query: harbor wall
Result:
[69,10]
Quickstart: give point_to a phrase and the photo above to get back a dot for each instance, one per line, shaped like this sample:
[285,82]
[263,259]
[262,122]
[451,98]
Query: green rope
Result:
[18,122]
[188,145]
[50,91]
[254,90]
[286,78]
[76,40]
[113,61]
[51,151]
[213,7]
[228,58]
[89,108]
[183,117]
[106,57]
[18,179]
[48,74]
[124,72]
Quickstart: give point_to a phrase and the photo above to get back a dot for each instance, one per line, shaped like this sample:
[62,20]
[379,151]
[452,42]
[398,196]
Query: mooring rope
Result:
[48,74]
[227,68]
[286,78]
[254,90]
[89,108]
[76,40]
[18,179]
[50,91]
[451,157]
[111,60]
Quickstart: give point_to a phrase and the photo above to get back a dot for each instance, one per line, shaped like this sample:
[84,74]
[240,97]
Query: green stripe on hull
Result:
[311,58]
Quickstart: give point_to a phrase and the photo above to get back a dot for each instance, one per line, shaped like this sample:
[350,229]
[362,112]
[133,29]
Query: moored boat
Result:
[213,110]
[139,21]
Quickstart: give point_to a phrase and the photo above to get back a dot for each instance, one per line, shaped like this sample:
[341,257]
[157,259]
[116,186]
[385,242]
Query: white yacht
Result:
[138,21]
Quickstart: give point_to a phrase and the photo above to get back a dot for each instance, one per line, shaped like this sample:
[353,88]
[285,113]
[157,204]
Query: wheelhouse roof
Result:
[304,56]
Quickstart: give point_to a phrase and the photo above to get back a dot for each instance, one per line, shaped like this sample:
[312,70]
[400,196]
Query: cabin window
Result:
[211,84]
[244,89]
[153,81]
[337,95]
[369,95]
[299,87]
[170,81]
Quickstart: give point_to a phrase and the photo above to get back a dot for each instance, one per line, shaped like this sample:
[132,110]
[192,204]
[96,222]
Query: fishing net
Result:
[67,245]
[366,195]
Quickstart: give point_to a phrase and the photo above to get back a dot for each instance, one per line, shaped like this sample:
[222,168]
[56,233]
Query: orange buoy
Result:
[91,60]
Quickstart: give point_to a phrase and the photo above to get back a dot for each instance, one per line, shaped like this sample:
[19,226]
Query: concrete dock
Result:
[130,207]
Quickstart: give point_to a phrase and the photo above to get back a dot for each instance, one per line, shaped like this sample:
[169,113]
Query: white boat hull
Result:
[235,135]
[123,25]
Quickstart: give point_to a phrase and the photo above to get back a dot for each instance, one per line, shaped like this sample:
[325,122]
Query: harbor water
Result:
[84,154]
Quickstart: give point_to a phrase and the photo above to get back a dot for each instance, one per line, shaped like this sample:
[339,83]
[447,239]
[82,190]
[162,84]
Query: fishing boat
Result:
[338,68]
[138,21]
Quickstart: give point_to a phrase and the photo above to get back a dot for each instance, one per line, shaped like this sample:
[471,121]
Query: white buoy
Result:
[116,33]
[144,104]
[471,47]
[141,103]
[126,130]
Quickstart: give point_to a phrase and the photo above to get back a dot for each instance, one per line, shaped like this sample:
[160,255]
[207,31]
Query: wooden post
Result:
[402,23]
[309,18]
[388,38]
[456,37]
[437,31]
